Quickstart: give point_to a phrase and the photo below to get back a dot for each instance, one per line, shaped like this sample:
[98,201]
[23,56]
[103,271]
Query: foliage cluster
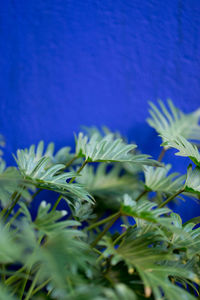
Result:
[72,254]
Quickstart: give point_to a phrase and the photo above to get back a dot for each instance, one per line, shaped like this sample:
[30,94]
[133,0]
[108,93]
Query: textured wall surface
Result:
[65,63]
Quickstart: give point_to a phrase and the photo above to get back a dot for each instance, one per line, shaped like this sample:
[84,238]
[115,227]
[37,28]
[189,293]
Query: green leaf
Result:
[107,183]
[173,122]
[146,254]
[158,180]
[11,181]
[144,211]
[192,183]
[120,292]
[109,149]
[63,156]
[10,251]
[195,220]
[63,256]
[47,221]
[42,176]
[5,294]
[2,144]
[187,238]
[62,253]
[81,211]
[185,148]
[35,153]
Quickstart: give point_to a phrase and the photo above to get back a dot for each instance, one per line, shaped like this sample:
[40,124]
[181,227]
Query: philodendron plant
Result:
[76,254]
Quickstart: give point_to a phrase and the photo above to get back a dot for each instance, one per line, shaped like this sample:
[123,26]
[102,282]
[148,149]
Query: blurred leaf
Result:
[173,122]
[11,181]
[107,183]
[5,294]
[120,292]
[153,261]
[10,251]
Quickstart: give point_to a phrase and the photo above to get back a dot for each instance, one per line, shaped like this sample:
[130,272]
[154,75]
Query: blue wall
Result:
[65,63]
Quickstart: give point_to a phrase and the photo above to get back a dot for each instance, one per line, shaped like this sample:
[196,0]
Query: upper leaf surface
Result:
[173,122]
[185,148]
[108,149]
[158,180]
[192,183]
[37,170]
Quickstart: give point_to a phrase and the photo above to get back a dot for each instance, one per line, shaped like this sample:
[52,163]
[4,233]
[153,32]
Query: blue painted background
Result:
[65,63]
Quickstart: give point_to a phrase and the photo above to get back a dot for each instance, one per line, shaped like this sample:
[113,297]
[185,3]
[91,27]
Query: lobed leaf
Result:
[107,183]
[192,183]
[158,180]
[53,178]
[185,148]
[173,122]
[109,149]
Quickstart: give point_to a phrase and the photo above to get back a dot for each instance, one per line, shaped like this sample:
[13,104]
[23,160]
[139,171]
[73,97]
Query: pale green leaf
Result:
[158,180]
[108,149]
[11,181]
[192,183]
[42,176]
[106,182]
[144,212]
[184,147]
[173,122]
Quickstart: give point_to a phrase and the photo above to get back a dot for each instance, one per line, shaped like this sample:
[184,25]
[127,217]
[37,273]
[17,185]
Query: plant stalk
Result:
[13,218]
[32,287]
[102,221]
[141,195]
[41,286]
[70,162]
[35,194]
[162,153]
[5,217]
[170,198]
[57,202]
[79,170]
[99,237]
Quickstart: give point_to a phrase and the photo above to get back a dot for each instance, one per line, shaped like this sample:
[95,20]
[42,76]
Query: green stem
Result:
[109,279]
[97,251]
[119,237]
[13,218]
[102,221]
[162,153]
[12,206]
[35,194]
[99,237]
[14,277]
[141,195]
[79,170]
[170,198]
[5,210]
[116,241]
[57,202]
[32,286]
[27,277]
[3,275]
[41,286]
[24,284]
[70,285]
[70,162]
